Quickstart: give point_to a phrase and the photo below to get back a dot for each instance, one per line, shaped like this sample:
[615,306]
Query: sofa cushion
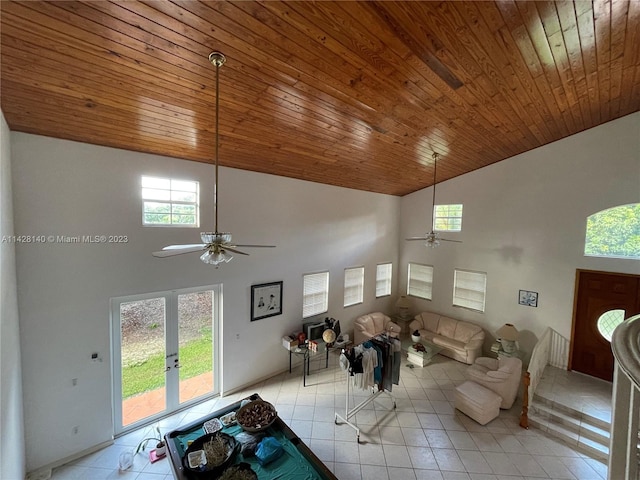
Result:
[448,342]
[430,321]
[464,331]
[427,335]
[366,322]
[447,327]
[378,322]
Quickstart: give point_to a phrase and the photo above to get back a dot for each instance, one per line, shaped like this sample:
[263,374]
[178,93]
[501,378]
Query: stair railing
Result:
[625,415]
[552,349]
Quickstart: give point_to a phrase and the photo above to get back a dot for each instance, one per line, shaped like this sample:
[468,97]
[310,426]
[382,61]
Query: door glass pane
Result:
[195,337]
[608,322]
[142,336]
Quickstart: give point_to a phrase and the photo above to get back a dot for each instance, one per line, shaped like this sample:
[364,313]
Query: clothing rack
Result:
[350,413]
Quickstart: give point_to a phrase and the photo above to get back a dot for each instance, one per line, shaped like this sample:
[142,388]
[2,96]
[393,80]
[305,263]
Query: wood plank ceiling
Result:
[355,94]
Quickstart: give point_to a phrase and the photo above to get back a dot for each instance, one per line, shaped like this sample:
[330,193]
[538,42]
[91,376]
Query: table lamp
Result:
[403,307]
[507,336]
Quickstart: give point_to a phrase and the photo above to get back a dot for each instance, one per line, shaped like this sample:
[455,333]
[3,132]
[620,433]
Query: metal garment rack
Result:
[350,413]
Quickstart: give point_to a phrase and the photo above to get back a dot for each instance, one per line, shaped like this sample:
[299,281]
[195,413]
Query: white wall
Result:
[68,188]
[524,224]
[12,447]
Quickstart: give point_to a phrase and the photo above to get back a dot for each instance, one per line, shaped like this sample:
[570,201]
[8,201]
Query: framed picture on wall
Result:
[528,298]
[266,300]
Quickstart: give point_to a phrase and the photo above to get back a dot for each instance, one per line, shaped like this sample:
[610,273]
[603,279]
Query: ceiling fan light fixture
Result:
[215,237]
[216,258]
[216,245]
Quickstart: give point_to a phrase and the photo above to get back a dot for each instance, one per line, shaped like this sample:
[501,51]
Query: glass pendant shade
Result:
[211,237]
[215,258]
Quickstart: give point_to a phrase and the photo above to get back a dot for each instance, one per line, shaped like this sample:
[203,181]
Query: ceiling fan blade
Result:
[447,240]
[256,246]
[227,248]
[170,252]
[417,238]
[182,247]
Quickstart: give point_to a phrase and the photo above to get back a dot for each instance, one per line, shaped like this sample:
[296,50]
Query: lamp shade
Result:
[508,332]
[403,302]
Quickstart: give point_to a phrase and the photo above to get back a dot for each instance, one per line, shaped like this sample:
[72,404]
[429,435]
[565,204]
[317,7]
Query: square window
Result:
[170,203]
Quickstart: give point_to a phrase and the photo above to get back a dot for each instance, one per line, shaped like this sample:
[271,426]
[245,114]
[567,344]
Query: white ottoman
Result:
[478,402]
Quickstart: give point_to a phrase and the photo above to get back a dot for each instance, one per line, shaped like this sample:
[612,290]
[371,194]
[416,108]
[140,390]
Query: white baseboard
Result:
[44,473]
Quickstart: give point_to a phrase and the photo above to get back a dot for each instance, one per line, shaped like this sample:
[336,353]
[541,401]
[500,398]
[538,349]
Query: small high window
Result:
[383,279]
[170,203]
[614,232]
[447,218]
[420,281]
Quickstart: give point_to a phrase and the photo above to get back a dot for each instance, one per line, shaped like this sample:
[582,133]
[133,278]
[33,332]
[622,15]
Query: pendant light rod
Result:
[433,199]
[217,59]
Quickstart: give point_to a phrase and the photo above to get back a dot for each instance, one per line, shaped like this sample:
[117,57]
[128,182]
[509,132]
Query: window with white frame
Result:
[469,289]
[420,281]
[383,279]
[353,285]
[315,294]
[447,218]
[170,203]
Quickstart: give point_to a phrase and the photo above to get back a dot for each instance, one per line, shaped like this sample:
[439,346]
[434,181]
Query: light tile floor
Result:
[423,438]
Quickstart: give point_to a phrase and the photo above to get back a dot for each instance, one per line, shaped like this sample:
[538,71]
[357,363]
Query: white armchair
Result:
[502,376]
[373,324]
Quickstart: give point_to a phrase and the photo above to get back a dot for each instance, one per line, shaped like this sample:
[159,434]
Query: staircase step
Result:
[601,423]
[569,435]
[580,426]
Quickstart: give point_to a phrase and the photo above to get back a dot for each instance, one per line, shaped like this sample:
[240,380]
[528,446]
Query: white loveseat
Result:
[373,324]
[459,340]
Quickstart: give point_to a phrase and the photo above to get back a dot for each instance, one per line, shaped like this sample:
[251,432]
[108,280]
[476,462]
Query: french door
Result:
[165,353]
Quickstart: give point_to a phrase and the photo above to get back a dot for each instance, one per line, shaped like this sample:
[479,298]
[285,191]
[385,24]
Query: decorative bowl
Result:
[212,466]
[415,338]
[256,416]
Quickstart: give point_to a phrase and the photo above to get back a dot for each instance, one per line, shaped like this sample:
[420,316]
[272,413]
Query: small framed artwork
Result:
[530,299]
[266,300]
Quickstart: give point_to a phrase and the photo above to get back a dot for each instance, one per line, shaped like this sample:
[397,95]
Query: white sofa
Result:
[373,324]
[458,339]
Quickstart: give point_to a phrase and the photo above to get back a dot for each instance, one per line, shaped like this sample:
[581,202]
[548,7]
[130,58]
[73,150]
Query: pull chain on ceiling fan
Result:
[217,246]
[432,239]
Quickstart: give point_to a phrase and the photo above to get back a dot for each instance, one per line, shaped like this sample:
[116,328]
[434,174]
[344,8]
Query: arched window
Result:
[614,232]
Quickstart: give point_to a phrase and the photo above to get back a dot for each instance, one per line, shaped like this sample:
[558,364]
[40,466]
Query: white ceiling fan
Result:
[217,246]
[432,239]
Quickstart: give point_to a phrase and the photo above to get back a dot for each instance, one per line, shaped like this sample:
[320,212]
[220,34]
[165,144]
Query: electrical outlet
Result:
[74,430]
[237,336]
[74,382]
